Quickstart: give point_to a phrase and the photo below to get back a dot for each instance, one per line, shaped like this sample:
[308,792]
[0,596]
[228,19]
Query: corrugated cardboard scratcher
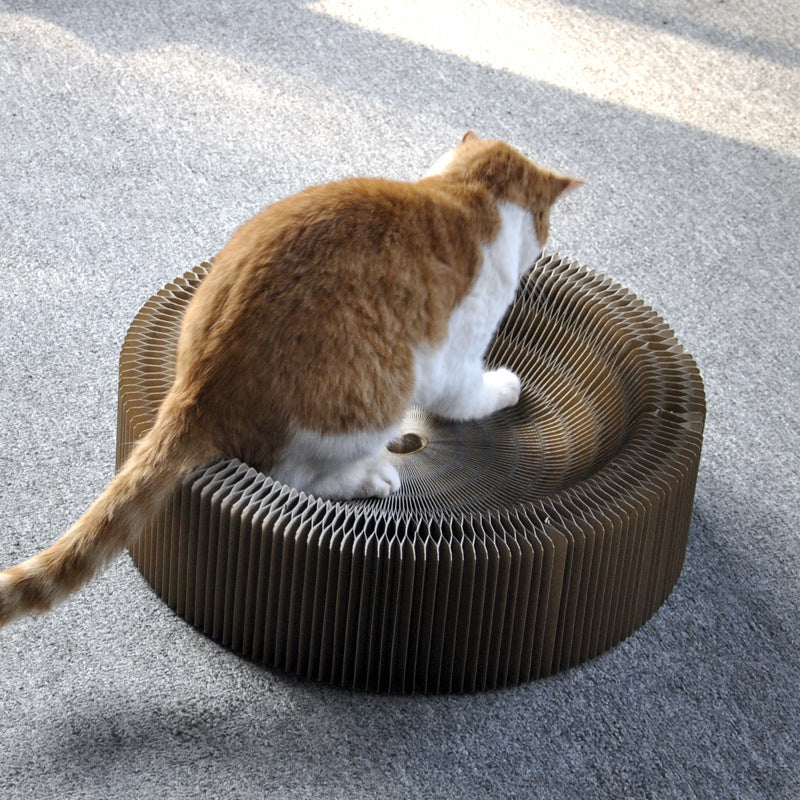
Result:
[518,545]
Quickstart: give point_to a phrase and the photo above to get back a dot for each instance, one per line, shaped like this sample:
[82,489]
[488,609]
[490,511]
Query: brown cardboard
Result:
[518,545]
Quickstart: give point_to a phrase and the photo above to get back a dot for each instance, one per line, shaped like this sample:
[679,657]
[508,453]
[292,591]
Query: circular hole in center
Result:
[407,443]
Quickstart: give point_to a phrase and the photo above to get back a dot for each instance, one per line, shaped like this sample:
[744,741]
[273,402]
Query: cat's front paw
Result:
[503,386]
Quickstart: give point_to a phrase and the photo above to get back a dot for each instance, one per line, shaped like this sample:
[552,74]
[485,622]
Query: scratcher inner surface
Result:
[518,544]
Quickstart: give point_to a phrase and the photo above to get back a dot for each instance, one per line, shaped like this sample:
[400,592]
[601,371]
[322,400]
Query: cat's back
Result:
[383,251]
[318,302]
[362,225]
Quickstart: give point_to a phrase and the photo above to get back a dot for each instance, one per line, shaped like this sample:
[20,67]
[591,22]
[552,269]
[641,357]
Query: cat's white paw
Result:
[380,478]
[503,386]
[367,477]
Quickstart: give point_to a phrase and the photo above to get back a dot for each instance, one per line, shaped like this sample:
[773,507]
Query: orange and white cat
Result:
[322,320]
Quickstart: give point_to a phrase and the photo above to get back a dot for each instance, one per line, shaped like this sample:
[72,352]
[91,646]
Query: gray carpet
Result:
[134,140]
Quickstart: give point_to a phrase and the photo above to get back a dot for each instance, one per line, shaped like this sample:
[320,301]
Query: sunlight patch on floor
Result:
[653,71]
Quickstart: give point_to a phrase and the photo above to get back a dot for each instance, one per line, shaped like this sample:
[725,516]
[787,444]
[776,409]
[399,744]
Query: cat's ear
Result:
[558,184]
[470,136]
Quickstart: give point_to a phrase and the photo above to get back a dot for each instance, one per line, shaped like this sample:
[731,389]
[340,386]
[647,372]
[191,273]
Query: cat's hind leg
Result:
[338,466]
[372,476]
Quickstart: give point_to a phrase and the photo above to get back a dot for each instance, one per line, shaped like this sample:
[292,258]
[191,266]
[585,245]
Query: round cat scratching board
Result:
[518,545]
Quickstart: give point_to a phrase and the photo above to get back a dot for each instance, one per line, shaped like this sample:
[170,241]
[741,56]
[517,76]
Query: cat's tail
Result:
[113,522]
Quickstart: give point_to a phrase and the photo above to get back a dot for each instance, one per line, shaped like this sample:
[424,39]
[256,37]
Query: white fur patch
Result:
[338,466]
[441,163]
[449,378]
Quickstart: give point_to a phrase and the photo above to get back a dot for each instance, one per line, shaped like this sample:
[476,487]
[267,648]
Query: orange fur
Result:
[309,317]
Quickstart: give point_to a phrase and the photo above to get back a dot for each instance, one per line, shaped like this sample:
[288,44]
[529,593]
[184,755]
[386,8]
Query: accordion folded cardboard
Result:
[518,545]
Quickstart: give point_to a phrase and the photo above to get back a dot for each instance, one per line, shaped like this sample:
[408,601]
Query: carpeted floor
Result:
[135,138]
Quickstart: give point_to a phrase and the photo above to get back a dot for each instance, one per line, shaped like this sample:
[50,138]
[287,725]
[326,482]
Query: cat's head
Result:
[508,175]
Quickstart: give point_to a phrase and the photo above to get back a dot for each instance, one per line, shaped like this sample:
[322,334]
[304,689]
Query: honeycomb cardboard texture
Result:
[518,545]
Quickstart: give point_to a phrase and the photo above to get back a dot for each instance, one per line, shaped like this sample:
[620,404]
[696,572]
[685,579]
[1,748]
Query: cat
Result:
[321,321]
